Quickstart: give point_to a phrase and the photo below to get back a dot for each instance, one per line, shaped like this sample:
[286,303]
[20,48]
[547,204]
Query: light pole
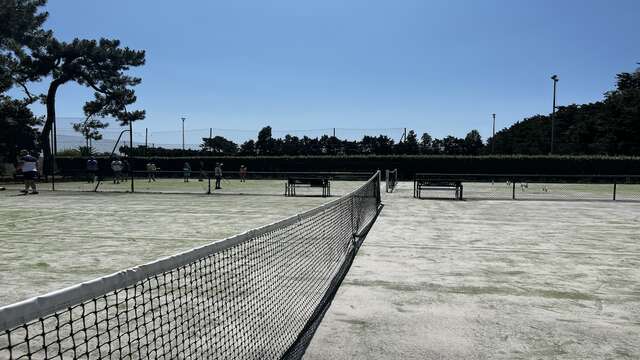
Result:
[553,113]
[493,137]
[183,119]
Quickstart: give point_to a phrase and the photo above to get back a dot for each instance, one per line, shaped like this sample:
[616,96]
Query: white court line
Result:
[507,250]
[40,217]
[509,223]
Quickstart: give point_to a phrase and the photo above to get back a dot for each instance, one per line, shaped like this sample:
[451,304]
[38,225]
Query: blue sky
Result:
[436,66]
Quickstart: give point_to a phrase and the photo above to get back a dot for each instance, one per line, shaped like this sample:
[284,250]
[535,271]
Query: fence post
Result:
[615,185]
[513,192]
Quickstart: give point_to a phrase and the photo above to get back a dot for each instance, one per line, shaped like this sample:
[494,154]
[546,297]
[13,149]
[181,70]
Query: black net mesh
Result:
[259,298]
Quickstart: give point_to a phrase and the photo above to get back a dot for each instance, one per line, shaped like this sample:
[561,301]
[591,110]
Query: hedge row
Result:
[407,165]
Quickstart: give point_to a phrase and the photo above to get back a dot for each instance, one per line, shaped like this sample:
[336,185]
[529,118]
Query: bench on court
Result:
[427,182]
[295,182]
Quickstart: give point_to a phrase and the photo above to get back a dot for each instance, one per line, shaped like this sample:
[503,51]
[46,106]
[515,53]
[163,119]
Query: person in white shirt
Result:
[151,171]
[217,172]
[186,171]
[116,166]
[29,167]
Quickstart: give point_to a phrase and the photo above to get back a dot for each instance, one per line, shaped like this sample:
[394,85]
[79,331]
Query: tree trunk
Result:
[48,124]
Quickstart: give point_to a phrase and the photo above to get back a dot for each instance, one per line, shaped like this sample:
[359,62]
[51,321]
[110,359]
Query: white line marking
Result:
[508,250]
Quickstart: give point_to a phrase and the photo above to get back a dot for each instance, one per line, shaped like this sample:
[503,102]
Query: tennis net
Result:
[257,295]
[391,180]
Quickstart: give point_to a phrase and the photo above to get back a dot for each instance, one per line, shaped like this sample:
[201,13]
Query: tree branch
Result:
[26,91]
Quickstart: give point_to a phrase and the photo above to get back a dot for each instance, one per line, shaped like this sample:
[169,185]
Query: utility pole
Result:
[493,137]
[553,113]
[183,119]
[146,143]
[130,155]
[334,132]
[210,139]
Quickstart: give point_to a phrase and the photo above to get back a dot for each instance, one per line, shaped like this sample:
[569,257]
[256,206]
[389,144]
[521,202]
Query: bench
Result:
[429,183]
[295,182]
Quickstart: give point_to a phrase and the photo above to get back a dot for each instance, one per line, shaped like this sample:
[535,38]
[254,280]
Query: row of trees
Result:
[30,54]
[331,145]
[290,145]
[610,126]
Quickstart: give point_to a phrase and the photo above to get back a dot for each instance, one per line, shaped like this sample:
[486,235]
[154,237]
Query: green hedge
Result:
[407,165]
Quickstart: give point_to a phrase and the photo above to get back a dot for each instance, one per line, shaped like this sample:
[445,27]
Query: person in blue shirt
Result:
[29,167]
[92,170]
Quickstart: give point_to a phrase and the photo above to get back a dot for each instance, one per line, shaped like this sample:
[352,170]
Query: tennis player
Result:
[217,172]
[29,167]
[243,173]
[186,170]
[92,169]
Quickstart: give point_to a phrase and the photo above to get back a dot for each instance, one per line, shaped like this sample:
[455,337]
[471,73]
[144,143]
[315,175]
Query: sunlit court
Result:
[484,279]
[323,180]
[43,236]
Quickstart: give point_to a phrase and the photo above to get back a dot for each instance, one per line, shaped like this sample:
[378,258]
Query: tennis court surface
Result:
[487,279]
[434,279]
[258,294]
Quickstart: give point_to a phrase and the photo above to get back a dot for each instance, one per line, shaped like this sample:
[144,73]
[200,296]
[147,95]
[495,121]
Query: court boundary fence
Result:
[513,179]
[43,326]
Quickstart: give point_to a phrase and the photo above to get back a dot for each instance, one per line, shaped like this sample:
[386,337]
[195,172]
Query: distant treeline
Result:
[607,127]
[267,145]
[610,126]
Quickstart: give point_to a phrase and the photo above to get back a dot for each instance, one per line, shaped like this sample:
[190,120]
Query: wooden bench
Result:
[429,183]
[295,182]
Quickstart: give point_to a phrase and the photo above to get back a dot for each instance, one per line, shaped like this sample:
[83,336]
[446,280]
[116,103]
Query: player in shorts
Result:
[92,170]
[29,167]
[151,171]
[243,173]
[116,166]
[186,171]
[217,172]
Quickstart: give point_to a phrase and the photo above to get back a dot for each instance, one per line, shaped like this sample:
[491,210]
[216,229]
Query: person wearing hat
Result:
[29,167]
[217,172]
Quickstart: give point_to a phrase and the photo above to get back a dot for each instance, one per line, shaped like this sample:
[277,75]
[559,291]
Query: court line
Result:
[506,250]
[511,222]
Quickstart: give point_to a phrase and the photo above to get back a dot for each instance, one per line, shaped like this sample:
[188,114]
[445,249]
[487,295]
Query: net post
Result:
[386,189]
[513,192]
[615,185]
[208,183]
[378,197]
